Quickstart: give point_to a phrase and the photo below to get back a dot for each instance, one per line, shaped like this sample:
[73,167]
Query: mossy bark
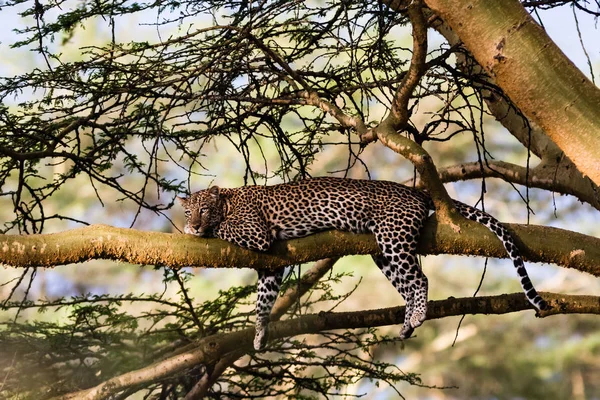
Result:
[537,243]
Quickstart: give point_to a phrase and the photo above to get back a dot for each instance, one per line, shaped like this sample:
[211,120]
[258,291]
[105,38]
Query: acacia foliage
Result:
[101,339]
[238,70]
[253,74]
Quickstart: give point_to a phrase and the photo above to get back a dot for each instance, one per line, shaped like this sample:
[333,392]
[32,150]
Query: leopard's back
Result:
[301,208]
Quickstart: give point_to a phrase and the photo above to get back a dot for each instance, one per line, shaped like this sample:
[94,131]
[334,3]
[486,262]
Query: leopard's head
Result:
[203,212]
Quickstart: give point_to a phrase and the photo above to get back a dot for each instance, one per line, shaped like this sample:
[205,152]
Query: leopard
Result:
[253,217]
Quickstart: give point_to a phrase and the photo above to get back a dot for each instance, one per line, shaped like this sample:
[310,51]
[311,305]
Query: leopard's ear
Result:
[182,200]
[214,192]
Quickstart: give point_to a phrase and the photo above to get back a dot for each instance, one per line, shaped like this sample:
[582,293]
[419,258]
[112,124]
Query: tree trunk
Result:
[533,72]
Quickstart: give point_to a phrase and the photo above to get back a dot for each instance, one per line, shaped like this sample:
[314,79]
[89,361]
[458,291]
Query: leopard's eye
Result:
[203,210]
[187,213]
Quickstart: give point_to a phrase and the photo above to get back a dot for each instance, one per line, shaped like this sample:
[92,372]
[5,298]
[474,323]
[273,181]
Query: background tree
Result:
[108,123]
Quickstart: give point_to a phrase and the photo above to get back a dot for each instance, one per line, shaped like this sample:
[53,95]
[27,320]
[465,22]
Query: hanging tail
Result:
[509,244]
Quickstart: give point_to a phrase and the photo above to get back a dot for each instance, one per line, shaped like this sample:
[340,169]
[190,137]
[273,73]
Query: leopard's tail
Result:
[509,244]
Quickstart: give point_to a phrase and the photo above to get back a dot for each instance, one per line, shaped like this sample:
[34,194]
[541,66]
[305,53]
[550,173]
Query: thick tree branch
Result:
[212,348]
[554,178]
[533,72]
[537,243]
[428,173]
[555,172]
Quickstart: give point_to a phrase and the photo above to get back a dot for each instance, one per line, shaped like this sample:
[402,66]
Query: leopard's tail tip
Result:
[543,305]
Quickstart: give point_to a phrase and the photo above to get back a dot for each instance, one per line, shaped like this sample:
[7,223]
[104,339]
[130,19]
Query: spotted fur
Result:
[254,216]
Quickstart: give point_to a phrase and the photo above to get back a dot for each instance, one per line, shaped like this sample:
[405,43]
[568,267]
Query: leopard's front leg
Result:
[268,289]
[250,231]
[419,312]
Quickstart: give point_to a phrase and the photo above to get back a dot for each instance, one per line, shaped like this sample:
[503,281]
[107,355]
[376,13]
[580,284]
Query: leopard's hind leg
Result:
[268,289]
[413,288]
[390,272]
[397,236]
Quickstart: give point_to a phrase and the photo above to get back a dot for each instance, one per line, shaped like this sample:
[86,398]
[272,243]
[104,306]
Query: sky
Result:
[561,27]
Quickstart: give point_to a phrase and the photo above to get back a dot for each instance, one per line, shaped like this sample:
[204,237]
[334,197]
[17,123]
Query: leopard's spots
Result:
[254,216]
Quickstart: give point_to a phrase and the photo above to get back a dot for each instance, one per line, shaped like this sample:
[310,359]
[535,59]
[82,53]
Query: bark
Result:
[537,244]
[212,348]
[560,177]
[428,173]
[555,172]
[533,72]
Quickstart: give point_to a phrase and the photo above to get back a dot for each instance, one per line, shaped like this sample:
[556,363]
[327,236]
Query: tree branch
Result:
[428,173]
[212,348]
[400,113]
[554,178]
[397,119]
[312,98]
[537,244]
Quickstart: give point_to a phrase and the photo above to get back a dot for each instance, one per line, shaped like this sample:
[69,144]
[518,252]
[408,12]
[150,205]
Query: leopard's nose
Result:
[197,229]
[191,229]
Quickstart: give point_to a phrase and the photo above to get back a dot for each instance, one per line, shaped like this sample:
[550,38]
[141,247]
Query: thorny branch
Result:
[210,349]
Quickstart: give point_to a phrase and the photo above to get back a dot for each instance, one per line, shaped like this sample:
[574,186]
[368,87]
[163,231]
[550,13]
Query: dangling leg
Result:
[417,283]
[268,289]
[398,262]
[392,274]
[412,284]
